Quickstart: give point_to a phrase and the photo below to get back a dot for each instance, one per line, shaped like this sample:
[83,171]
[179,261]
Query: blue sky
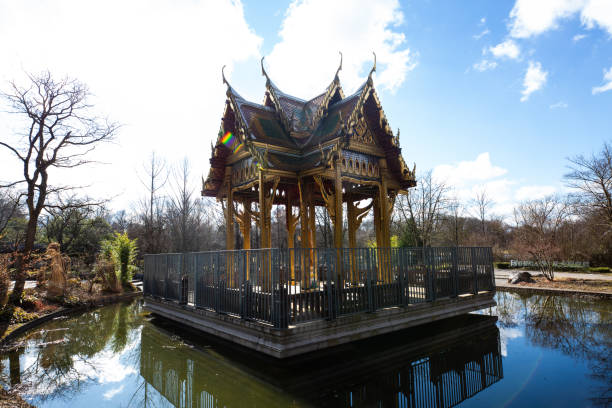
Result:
[452,76]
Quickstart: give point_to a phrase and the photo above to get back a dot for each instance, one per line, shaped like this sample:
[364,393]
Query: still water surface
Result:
[538,351]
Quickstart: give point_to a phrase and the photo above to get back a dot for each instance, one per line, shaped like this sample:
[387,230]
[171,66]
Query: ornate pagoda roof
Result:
[292,134]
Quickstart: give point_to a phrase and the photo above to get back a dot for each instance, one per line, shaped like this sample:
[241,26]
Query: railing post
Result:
[368,277]
[195,280]
[474,269]
[432,273]
[331,307]
[455,271]
[166,279]
[243,284]
[144,276]
[217,284]
[273,290]
[401,274]
[279,316]
[490,264]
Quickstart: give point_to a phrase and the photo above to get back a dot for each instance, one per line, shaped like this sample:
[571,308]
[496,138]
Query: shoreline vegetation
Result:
[59,287]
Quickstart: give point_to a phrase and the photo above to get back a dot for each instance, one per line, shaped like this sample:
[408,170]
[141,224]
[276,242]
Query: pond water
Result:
[538,351]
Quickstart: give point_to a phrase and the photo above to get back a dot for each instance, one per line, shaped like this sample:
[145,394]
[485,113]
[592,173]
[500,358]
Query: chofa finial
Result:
[340,67]
[374,66]
[263,70]
[223,75]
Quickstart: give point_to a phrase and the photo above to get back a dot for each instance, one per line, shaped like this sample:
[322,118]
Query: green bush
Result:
[121,251]
[599,269]
[503,265]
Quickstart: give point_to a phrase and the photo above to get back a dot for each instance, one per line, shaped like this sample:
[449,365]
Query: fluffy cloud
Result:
[153,66]
[470,177]
[108,395]
[534,192]
[466,172]
[607,86]
[313,31]
[484,65]
[535,78]
[530,18]
[506,49]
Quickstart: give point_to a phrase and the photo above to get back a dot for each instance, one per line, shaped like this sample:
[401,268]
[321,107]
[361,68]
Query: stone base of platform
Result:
[316,335]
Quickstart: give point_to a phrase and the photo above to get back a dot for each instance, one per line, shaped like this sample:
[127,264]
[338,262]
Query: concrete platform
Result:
[320,334]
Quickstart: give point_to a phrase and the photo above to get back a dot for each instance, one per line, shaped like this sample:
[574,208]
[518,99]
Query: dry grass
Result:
[586,285]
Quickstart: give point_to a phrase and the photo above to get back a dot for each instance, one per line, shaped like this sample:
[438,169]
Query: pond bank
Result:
[565,283]
[508,287]
[18,329]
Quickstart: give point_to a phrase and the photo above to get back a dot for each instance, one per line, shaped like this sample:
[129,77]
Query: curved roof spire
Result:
[223,76]
[340,67]
[374,66]
[263,70]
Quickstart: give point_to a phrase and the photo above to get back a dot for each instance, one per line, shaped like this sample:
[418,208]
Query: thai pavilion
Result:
[327,151]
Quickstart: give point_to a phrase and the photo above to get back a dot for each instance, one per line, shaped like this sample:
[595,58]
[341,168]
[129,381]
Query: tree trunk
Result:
[20,264]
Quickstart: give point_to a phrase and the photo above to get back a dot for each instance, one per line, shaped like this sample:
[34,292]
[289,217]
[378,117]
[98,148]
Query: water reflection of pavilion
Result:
[441,366]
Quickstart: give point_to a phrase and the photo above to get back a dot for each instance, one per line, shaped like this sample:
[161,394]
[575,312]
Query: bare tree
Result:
[421,207]
[60,131]
[482,202]
[190,221]
[9,207]
[592,179]
[152,206]
[455,219]
[538,229]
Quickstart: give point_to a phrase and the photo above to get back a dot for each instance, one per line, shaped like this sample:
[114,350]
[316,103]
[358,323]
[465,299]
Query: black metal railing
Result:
[289,286]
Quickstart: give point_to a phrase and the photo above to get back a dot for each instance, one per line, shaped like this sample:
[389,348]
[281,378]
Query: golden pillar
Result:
[291,221]
[229,228]
[385,224]
[355,216]
[244,222]
[338,205]
[265,207]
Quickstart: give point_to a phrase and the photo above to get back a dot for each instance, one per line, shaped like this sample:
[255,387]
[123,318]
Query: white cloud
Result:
[578,37]
[507,49]
[530,18]
[484,65]
[535,78]
[505,335]
[534,192]
[313,31]
[468,178]
[481,34]
[597,13]
[464,173]
[607,86]
[112,392]
[153,66]
[483,20]
[559,105]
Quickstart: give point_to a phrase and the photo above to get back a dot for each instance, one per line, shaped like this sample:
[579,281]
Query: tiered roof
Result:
[291,134]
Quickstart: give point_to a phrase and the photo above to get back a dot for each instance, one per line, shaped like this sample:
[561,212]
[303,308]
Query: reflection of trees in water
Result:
[571,325]
[508,309]
[61,356]
[578,327]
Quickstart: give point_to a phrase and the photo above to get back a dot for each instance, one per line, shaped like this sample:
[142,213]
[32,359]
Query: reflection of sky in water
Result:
[543,341]
[506,334]
[101,376]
